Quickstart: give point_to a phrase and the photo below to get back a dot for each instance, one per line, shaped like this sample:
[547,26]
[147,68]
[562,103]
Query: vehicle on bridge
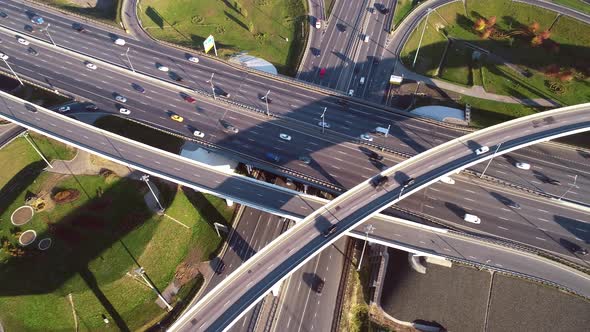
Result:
[379,181]
[472,218]
[273,157]
[330,231]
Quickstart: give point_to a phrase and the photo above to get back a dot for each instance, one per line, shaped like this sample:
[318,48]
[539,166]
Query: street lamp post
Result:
[146,178]
[26,136]
[266,100]
[489,162]
[212,86]
[323,117]
[570,188]
[368,229]
[141,272]
[49,35]
[421,36]
[128,59]
[13,73]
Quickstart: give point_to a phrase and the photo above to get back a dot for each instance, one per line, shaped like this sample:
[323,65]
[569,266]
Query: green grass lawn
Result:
[456,67]
[20,157]
[430,53]
[579,5]
[140,133]
[108,13]
[572,36]
[97,239]
[329,5]
[259,28]
[402,9]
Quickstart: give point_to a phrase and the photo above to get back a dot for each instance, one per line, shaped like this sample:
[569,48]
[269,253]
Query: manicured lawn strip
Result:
[259,29]
[329,5]
[107,15]
[19,154]
[402,9]
[456,67]
[578,5]
[485,113]
[140,133]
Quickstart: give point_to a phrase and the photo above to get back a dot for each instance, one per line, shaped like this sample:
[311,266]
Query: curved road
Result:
[220,307]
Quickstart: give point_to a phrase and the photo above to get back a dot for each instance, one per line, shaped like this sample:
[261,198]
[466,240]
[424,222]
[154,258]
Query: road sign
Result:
[209,43]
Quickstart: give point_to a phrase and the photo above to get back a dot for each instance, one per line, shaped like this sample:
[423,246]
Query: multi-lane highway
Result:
[222,306]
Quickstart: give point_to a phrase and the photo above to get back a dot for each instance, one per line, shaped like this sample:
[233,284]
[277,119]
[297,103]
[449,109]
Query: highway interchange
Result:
[300,111]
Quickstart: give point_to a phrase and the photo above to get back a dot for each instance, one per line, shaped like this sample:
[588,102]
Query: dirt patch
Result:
[189,268]
[22,215]
[98,4]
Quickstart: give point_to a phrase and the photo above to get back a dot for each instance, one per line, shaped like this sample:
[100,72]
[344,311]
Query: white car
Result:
[324,124]
[472,218]
[163,68]
[3,56]
[23,41]
[523,165]
[366,39]
[64,109]
[125,111]
[285,137]
[193,59]
[120,41]
[351,92]
[367,137]
[318,24]
[90,65]
[447,180]
[120,98]
[482,150]
[199,134]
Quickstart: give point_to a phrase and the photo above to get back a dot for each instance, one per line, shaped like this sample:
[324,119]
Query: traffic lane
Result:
[449,245]
[185,170]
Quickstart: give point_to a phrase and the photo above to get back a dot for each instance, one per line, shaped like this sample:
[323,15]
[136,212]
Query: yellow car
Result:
[177,118]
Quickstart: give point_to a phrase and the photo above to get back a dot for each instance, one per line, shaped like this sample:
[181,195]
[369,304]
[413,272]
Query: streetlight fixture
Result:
[490,161]
[368,229]
[49,35]
[570,188]
[266,100]
[13,73]
[323,117]
[26,136]
[141,272]
[128,59]
[146,179]
[212,86]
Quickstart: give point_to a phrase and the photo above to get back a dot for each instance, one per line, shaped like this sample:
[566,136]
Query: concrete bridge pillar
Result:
[416,263]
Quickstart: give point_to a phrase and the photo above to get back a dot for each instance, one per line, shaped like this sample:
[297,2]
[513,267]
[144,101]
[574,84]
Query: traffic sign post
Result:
[210,43]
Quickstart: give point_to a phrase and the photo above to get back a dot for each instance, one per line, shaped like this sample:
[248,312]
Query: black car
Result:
[91,107]
[221,93]
[305,159]
[31,108]
[138,88]
[78,27]
[264,98]
[29,28]
[329,231]
[319,285]
[3,15]
[175,77]
[554,182]
[376,60]
[32,51]
[379,181]
[576,249]
[408,182]
[381,8]
[375,156]
[220,267]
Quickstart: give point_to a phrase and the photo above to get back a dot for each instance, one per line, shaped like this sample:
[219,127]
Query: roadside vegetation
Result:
[533,52]
[402,9]
[106,11]
[273,30]
[579,5]
[101,231]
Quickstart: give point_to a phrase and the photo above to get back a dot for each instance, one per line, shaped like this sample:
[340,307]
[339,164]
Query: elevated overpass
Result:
[218,309]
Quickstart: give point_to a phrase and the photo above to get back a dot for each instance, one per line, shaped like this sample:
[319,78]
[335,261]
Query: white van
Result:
[381,131]
[472,218]
[120,41]
[366,39]
[362,81]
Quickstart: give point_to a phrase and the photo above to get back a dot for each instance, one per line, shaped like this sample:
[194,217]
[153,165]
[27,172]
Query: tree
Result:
[486,34]
[479,24]
[536,41]
[534,27]
[566,76]
[491,21]
[545,34]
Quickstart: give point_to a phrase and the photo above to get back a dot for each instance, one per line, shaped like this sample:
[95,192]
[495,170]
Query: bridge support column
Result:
[229,202]
[416,263]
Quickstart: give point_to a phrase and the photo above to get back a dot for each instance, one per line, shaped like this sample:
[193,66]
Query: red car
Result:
[189,99]
[322,72]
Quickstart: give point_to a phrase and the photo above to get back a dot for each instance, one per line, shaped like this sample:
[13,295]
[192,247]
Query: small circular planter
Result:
[22,215]
[27,237]
[44,244]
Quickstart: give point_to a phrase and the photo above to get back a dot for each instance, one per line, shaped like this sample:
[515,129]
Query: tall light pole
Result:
[212,86]
[266,100]
[49,35]
[421,36]
[146,178]
[368,229]
[570,188]
[26,136]
[323,117]
[128,59]
[141,272]
[489,162]
[13,73]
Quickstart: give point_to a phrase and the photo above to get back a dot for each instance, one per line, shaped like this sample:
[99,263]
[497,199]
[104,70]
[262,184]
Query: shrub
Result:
[66,196]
